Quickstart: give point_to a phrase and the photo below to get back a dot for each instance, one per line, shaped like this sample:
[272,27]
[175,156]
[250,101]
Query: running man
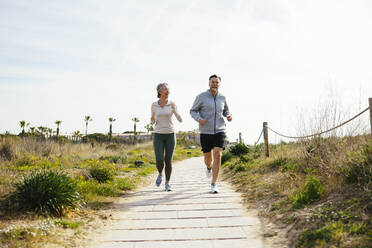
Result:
[208,109]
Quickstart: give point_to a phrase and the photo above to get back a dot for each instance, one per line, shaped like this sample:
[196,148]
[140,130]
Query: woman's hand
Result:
[152,119]
[173,107]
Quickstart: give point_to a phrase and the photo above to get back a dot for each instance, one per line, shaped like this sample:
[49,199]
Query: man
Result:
[208,109]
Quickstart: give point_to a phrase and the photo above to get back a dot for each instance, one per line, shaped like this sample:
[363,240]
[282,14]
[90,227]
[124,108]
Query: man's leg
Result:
[217,153]
[208,159]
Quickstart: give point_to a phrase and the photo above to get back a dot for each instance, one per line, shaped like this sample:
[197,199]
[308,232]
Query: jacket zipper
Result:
[215,113]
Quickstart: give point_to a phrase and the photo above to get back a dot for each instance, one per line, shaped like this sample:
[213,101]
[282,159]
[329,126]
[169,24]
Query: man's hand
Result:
[229,118]
[202,121]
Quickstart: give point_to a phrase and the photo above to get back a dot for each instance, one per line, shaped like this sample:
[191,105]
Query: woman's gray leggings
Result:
[164,143]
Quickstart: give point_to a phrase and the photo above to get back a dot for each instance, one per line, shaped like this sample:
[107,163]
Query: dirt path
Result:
[188,216]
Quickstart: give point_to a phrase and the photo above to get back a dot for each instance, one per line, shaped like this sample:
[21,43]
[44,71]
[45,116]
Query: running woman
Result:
[208,109]
[164,137]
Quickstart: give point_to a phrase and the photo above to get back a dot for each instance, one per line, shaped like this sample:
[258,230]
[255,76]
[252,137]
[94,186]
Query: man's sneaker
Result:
[214,189]
[208,172]
[158,180]
[167,187]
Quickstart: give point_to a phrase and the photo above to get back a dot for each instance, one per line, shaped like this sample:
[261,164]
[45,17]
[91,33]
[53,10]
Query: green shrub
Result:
[126,183]
[239,167]
[226,156]
[359,170]
[46,192]
[239,149]
[312,191]
[68,224]
[101,174]
[92,187]
[310,238]
[114,159]
[277,163]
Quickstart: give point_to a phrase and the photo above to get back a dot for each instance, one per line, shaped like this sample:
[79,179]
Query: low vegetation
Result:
[318,190]
[47,186]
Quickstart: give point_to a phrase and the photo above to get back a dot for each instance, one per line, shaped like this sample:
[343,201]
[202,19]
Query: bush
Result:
[46,192]
[226,156]
[6,151]
[101,172]
[239,149]
[312,191]
[114,159]
[360,169]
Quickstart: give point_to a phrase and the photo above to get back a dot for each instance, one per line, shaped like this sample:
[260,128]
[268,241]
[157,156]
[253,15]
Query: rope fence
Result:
[317,134]
[265,129]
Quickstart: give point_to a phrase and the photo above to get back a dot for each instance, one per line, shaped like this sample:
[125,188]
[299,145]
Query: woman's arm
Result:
[175,111]
[152,114]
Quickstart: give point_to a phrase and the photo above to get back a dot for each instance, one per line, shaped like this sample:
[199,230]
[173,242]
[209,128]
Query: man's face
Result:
[214,84]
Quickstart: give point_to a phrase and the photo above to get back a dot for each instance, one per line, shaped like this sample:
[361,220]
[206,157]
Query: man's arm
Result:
[194,111]
[226,111]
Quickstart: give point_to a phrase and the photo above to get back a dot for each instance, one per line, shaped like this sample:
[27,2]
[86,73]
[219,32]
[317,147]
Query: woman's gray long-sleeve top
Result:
[212,109]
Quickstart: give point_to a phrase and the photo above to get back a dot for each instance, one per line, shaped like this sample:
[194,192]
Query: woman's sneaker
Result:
[214,189]
[158,180]
[208,172]
[167,187]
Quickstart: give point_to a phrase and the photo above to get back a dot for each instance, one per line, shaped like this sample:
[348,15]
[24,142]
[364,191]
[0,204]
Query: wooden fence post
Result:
[266,139]
[370,113]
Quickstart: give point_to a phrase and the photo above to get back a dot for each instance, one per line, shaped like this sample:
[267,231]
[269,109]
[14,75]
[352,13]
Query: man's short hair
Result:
[214,76]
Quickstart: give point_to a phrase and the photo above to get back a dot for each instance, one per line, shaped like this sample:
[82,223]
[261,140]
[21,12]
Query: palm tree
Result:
[87,119]
[149,127]
[50,132]
[23,125]
[42,130]
[135,120]
[111,120]
[58,123]
[76,135]
[32,130]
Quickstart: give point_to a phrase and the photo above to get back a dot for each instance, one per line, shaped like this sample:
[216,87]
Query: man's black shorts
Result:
[208,141]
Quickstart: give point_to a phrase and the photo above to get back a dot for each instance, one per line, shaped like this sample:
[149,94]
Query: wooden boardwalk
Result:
[188,216]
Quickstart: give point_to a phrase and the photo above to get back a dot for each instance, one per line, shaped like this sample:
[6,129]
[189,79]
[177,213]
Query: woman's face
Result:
[164,93]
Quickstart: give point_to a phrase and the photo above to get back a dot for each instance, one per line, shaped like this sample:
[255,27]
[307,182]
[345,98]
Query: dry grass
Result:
[275,185]
[21,156]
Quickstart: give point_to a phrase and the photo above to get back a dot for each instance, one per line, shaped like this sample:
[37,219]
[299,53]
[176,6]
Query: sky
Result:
[281,61]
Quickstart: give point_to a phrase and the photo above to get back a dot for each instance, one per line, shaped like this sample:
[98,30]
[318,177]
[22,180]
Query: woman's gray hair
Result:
[160,87]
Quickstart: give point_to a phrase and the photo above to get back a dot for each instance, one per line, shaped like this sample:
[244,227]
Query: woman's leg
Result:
[169,149]
[159,152]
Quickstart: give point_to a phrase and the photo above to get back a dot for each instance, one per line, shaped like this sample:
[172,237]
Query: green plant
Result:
[114,159]
[46,192]
[68,224]
[312,191]
[226,156]
[101,172]
[239,149]
[359,170]
[310,238]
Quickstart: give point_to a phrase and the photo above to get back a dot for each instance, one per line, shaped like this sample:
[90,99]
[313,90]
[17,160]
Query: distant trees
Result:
[87,119]
[23,124]
[135,120]
[58,123]
[111,120]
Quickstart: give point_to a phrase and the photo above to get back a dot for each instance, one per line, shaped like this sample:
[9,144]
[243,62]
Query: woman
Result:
[164,138]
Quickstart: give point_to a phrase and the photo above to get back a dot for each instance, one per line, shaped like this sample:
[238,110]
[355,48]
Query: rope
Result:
[258,138]
[316,134]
